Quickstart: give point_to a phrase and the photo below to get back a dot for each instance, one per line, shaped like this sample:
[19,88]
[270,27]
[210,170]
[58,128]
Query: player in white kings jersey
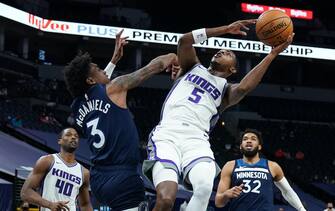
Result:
[60,178]
[178,146]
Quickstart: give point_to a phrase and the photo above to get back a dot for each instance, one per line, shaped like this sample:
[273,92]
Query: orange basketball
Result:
[273,27]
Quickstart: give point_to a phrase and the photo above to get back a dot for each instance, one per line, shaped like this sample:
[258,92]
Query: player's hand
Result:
[59,206]
[168,61]
[118,49]
[239,27]
[176,71]
[173,66]
[278,49]
[234,191]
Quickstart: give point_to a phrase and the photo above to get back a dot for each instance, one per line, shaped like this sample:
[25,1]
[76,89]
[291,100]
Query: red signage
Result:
[46,24]
[294,13]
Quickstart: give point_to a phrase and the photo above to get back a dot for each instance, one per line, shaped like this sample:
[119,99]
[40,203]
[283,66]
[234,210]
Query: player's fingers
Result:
[236,195]
[243,33]
[119,33]
[234,191]
[238,188]
[173,76]
[249,21]
[124,43]
[59,207]
[168,69]
[65,207]
[286,43]
[124,38]
[290,38]
[244,26]
[176,68]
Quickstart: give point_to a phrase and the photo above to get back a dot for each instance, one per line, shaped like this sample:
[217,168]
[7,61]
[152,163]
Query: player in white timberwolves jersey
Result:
[60,178]
[178,146]
[246,184]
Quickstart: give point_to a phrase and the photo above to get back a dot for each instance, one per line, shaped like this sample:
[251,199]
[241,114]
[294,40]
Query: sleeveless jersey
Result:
[257,192]
[194,99]
[62,182]
[110,130]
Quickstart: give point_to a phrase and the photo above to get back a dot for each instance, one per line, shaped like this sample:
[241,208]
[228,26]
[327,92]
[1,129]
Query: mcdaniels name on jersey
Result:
[91,105]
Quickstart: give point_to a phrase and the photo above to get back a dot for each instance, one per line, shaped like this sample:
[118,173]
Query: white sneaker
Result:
[183,206]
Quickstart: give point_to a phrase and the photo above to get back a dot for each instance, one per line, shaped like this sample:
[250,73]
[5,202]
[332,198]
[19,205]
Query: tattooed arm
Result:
[117,88]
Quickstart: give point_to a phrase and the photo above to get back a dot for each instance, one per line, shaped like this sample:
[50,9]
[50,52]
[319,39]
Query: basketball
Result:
[273,27]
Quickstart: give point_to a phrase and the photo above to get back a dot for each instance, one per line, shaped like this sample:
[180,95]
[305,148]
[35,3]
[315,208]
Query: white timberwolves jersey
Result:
[194,100]
[62,182]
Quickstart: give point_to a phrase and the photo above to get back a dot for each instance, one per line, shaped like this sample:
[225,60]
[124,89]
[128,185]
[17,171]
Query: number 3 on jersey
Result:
[95,131]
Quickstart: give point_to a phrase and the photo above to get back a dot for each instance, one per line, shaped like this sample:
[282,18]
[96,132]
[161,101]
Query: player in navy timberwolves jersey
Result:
[101,112]
[60,178]
[247,183]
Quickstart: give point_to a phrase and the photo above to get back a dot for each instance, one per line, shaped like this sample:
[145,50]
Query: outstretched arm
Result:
[288,193]
[235,92]
[118,87]
[186,53]
[34,180]
[224,192]
[129,81]
[118,53]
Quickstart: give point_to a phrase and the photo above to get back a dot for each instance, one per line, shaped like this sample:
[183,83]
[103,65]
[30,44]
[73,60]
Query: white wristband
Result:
[199,35]
[109,69]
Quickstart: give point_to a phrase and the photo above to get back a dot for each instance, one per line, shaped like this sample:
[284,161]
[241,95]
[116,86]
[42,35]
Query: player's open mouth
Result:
[73,143]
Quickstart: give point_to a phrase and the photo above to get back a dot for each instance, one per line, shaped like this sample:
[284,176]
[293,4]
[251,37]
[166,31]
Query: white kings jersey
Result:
[62,182]
[194,99]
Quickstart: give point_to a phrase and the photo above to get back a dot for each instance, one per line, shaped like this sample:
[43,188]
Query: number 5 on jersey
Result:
[95,131]
[196,95]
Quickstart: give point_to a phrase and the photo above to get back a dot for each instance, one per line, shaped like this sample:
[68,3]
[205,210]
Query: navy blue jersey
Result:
[110,129]
[257,192]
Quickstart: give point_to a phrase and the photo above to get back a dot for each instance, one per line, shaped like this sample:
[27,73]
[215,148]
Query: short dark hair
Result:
[61,133]
[254,131]
[76,73]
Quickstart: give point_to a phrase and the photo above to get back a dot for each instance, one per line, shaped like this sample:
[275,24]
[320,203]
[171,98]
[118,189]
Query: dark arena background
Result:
[294,106]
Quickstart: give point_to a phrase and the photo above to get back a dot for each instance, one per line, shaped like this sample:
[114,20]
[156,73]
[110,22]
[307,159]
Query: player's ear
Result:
[233,70]
[59,141]
[259,147]
[90,81]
